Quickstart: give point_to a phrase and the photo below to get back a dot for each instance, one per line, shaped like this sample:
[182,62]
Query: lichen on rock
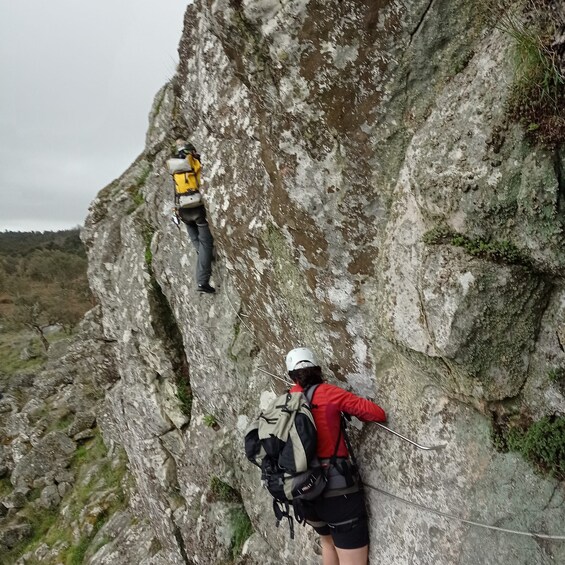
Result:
[335,136]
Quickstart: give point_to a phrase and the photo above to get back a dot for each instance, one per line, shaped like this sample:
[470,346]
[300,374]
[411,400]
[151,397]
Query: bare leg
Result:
[329,555]
[358,556]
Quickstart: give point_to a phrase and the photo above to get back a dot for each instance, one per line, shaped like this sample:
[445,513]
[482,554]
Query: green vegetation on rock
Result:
[135,189]
[538,92]
[12,346]
[210,421]
[497,251]
[556,375]
[184,395]
[97,494]
[40,522]
[291,284]
[542,442]
[223,492]
[147,233]
[242,529]
[165,325]
[240,523]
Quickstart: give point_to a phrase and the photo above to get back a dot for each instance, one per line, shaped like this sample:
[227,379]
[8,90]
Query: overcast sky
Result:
[78,81]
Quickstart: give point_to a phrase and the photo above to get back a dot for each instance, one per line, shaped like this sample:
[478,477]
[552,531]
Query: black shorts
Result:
[343,517]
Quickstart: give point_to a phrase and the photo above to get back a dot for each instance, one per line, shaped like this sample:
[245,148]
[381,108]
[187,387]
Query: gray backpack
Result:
[282,442]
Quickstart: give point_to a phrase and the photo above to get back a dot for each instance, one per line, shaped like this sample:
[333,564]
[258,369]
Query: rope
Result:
[458,518]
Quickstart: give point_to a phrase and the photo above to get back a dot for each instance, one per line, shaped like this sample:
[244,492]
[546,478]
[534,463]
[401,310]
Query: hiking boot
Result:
[206,288]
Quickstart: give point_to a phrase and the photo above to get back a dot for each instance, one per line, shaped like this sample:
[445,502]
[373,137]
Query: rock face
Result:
[336,137]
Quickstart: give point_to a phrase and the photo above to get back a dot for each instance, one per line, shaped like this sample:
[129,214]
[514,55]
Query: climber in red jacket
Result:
[338,515]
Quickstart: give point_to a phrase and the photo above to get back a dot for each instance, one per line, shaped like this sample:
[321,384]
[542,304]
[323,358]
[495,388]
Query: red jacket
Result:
[327,404]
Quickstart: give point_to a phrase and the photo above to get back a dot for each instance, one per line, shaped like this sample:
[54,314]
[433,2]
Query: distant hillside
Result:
[22,243]
[42,281]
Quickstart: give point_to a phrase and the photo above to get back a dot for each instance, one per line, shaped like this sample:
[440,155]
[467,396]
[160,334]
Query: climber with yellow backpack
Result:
[185,167]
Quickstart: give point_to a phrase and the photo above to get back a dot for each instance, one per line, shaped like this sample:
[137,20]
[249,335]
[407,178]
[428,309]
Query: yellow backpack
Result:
[186,175]
[188,180]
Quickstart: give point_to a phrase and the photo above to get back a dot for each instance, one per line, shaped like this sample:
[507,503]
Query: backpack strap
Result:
[349,471]
[344,419]
[333,458]
[309,393]
[282,510]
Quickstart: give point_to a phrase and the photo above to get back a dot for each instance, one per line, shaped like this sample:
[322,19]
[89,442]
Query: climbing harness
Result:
[463,520]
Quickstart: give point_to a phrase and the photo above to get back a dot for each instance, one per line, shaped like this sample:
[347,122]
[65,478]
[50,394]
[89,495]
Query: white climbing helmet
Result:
[300,358]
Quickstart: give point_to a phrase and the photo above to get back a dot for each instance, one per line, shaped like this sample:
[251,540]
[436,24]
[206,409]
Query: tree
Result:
[31,312]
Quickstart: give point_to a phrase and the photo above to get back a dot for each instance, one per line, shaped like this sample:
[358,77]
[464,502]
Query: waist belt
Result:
[342,476]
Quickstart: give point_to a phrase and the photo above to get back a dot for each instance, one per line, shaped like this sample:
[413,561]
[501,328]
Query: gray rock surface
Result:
[334,136]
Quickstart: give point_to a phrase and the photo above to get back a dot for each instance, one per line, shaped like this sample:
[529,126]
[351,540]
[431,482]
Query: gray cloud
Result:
[78,83]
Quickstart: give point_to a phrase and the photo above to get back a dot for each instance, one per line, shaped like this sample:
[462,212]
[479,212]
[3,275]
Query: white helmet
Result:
[300,358]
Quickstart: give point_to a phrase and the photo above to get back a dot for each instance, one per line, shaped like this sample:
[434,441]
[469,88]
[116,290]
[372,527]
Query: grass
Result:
[61,424]
[76,553]
[41,521]
[538,92]
[54,528]
[11,345]
[242,529]
[184,395]
[135,189]
[147,233]
[239,520]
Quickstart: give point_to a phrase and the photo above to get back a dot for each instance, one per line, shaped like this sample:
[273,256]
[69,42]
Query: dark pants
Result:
[201,237]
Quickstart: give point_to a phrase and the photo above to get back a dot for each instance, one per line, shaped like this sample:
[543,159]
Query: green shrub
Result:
[542,443]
